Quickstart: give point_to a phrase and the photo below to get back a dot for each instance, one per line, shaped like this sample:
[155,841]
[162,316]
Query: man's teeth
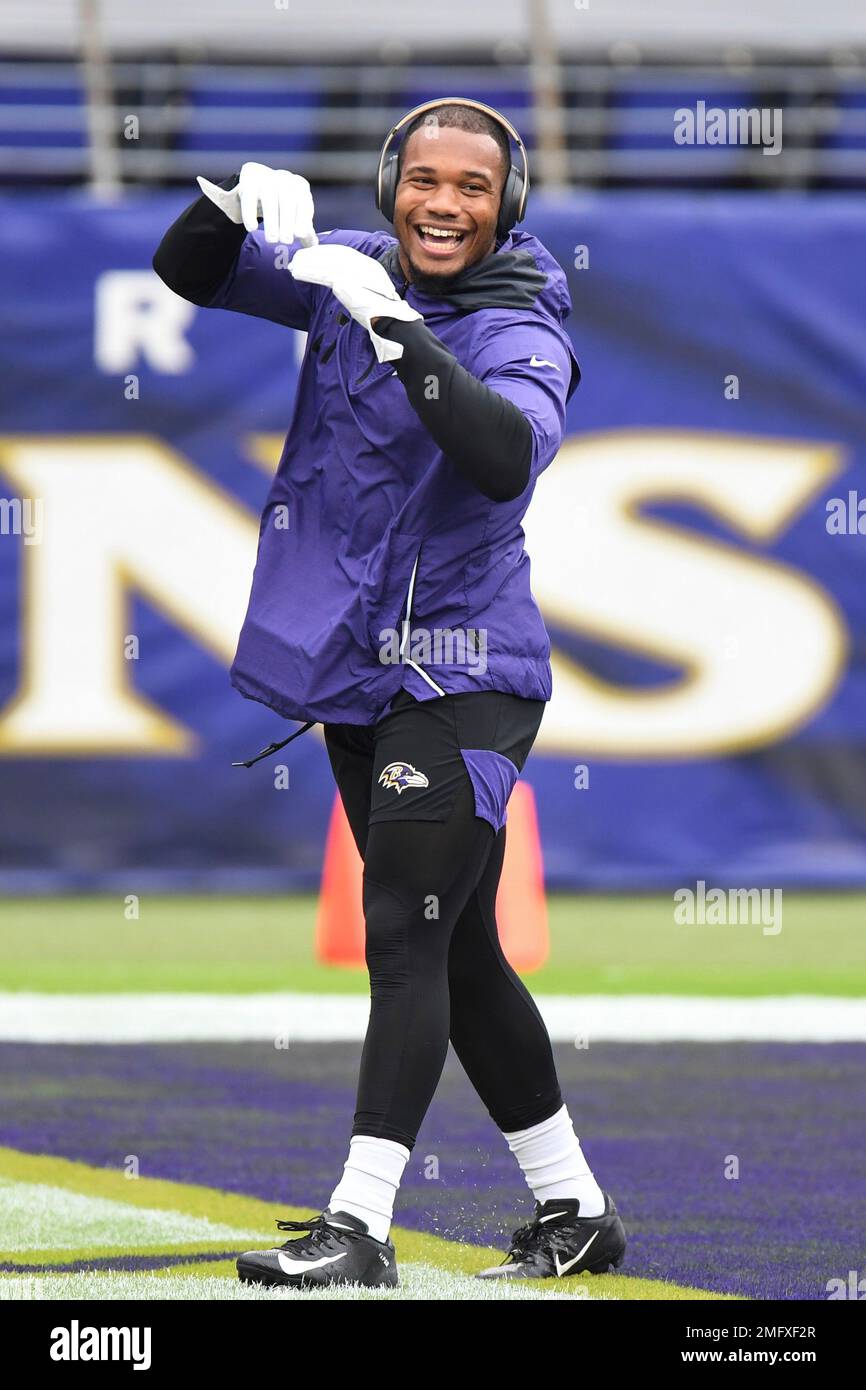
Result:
[440,232]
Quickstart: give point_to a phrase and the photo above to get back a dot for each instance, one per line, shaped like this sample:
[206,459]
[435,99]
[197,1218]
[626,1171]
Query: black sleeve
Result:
[199,249]
[484,434]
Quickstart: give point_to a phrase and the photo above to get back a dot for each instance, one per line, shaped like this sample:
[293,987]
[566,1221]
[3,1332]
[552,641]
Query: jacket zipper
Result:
[407,630]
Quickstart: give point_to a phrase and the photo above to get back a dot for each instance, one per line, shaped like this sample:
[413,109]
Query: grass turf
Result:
[599,945]
[41,1189]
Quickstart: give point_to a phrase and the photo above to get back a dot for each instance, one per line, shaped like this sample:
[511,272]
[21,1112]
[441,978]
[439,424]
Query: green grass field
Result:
[599,945]
[65,1213]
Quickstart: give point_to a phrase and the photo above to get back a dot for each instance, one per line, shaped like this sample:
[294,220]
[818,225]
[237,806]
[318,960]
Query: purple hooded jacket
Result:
[369,530]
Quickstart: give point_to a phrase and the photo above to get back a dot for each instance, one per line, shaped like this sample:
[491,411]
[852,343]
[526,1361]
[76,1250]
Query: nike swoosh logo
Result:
[569,1264]
[290,1266]
[552,1217]
[542,362]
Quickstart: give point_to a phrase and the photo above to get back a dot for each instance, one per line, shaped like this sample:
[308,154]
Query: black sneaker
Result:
[559,1242]
[337,1250]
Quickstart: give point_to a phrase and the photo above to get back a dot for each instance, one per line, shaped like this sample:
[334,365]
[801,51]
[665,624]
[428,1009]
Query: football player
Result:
[391,603]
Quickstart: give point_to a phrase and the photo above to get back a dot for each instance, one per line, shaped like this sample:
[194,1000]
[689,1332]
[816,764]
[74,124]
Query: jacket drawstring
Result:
[275,747]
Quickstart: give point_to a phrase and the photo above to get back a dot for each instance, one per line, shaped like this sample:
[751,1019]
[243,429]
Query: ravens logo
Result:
[400,776]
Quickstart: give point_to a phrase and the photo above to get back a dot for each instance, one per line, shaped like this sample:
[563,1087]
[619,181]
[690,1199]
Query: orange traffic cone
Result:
[521,907]
[340,918]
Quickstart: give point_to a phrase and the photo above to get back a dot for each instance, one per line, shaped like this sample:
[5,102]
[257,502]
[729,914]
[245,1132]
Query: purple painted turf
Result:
[657,1123]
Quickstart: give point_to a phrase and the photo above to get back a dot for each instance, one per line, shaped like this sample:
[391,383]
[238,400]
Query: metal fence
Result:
[159,121]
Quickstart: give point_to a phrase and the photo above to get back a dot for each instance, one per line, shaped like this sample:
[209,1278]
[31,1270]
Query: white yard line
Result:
[281,1019]
[418,1282]
[39,1216]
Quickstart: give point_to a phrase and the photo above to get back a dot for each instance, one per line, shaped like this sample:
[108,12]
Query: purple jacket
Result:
[371,541]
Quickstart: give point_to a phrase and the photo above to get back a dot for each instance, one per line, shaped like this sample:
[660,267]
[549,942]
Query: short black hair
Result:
[460,118]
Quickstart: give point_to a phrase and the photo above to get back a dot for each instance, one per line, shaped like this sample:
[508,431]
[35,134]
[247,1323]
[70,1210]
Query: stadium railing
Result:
[327,120]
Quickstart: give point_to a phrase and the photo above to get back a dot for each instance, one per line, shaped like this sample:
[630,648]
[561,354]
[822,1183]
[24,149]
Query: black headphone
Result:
[514,194]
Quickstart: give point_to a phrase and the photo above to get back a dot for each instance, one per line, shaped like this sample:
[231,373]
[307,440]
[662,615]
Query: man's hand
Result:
[283,201]
[361,284]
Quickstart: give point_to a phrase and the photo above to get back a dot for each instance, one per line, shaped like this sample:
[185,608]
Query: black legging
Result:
[437,971]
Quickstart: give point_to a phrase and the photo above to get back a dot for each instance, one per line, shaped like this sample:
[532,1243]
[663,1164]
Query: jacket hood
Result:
[520,274]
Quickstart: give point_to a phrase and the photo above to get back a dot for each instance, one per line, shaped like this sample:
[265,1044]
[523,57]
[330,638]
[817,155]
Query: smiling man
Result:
[431,397]
[445,214]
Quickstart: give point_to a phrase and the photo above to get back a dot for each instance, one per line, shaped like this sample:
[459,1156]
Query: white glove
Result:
[361,284]
[283,200]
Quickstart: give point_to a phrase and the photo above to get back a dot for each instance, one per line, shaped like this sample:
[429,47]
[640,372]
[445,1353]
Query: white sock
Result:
[371,1176]
[553,1163]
